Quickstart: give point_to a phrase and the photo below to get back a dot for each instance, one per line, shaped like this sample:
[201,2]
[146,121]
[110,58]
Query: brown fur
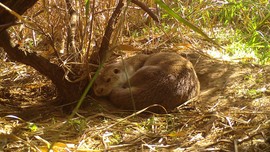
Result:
[167,79]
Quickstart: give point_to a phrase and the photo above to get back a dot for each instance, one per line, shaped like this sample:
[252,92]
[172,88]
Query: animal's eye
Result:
[116,71]
[108,80]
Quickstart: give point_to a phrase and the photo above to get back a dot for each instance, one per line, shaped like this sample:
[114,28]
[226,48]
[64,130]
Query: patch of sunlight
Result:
[235,52]
[235,49]
[242,52]
[217,54]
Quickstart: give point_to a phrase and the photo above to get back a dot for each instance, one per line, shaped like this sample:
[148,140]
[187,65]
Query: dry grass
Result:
[232,114]
[228,117]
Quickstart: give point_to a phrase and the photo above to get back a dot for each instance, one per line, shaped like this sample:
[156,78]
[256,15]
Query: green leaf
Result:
[33,127]
[87,3]
[184,21]
[263,22]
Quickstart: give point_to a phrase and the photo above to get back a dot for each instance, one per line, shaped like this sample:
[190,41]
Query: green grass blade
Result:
[85,92]
[184,21]
[264,20]
[87,3]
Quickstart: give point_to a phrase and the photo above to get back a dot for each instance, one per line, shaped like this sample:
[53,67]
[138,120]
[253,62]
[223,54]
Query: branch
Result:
[146,9]
[10,10]
[104,48]
[73,17]
[42,65]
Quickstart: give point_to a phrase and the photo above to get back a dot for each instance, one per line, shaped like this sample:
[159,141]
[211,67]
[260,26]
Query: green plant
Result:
[249,26]
[241,27]
[184,21]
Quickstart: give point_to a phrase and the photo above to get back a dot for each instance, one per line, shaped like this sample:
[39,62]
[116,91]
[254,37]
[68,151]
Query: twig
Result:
[146,9]
[16,15]
[104,48]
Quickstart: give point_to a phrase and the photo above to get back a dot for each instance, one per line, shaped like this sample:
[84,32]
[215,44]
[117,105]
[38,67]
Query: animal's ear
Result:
[116,71]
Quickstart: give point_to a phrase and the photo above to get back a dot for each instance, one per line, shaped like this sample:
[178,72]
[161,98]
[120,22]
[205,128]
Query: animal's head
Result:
[111,76]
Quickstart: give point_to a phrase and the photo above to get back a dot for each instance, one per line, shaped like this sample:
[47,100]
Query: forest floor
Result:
[232,114]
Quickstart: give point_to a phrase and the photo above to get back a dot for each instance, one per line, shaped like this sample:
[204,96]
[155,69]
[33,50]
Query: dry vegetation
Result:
[232,114]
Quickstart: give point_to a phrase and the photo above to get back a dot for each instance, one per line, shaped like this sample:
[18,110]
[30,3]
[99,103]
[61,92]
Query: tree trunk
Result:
[67,91]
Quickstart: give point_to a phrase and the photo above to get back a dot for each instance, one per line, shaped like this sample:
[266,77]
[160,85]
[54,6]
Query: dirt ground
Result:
[232,114]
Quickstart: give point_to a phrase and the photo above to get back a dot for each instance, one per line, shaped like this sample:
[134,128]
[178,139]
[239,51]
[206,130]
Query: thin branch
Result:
[18,16]
[9,24]
[146,9]
[103,51]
